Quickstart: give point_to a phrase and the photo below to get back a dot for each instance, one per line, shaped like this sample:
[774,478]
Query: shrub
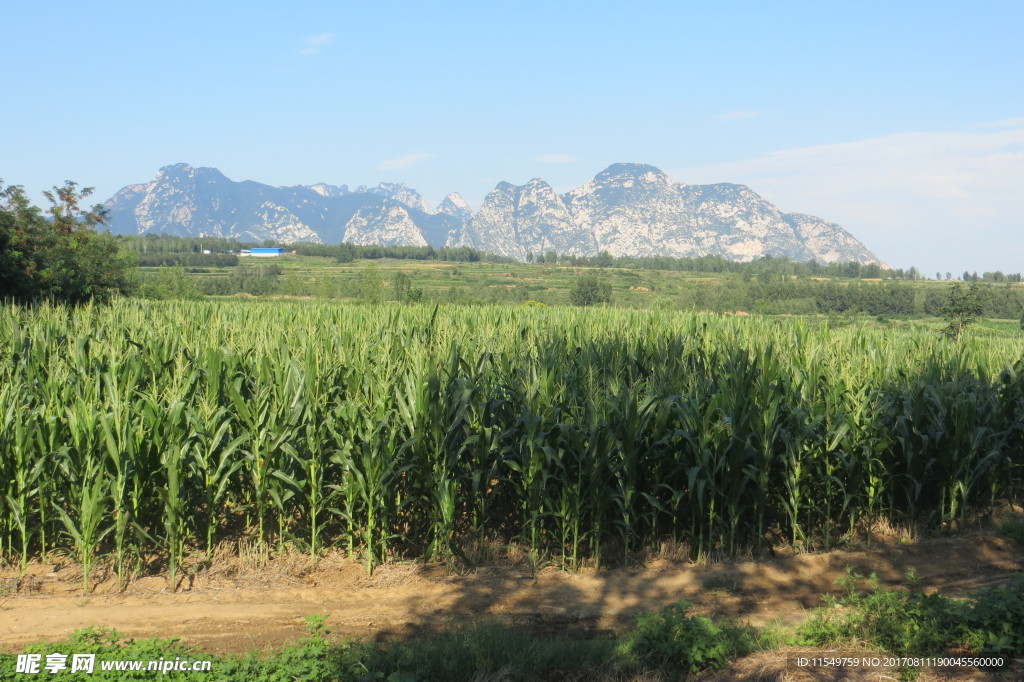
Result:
[912,623]
[590,290]
[671,639]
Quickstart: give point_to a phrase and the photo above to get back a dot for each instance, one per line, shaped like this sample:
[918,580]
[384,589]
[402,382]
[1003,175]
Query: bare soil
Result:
[235,605]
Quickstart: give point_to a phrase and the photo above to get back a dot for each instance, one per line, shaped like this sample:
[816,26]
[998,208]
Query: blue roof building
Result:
[264,251]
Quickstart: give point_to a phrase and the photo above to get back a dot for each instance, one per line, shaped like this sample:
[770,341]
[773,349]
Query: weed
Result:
[670,639]
[1013,528]
[912,623]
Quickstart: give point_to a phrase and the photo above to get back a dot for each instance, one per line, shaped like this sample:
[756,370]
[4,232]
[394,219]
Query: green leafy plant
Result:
[962,309]
[1013,528]
[671,639]
[62,257]
[911,623]
[590,290]
[993,622]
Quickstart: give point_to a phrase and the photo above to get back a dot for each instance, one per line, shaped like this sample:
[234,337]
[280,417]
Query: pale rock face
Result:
[455,206]
[493,227]
[829,243]
[388,225]
[281,225]
[325,190]
[397,191]
[632,209]
[531,218]
[183,200]
[627,210]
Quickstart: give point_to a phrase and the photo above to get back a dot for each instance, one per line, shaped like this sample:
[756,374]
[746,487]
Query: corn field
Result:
[162,429]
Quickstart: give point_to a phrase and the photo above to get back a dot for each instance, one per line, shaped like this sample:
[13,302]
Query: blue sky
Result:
[903,122]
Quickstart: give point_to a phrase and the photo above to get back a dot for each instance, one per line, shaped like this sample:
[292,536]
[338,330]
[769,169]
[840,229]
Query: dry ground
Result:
[237,605]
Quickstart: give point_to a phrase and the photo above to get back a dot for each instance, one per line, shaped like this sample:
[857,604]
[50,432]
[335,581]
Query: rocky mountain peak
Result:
[176,169]
[455,206]
[626,174]
[326,190]
[397,191]
[537,190]
[628,209]
[387,223]
[179,173]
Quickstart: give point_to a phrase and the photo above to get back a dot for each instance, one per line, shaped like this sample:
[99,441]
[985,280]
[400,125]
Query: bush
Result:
[590,290]
[912,623]
[670,639]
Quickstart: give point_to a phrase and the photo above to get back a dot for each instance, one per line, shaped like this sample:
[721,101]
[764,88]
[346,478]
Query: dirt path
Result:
[264,609]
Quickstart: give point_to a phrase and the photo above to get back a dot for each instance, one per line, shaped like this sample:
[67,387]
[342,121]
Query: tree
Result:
[963,308]
[169,282]
[372,288]
[63,257]
[589,290]
[603,260]
[405,292]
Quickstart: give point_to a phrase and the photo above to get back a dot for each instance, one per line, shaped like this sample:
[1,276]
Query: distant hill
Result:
[627,210]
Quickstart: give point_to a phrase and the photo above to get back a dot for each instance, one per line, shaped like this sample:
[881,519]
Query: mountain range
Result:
[628,209]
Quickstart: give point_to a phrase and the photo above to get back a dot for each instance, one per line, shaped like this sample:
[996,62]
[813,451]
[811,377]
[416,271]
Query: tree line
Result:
[60,254]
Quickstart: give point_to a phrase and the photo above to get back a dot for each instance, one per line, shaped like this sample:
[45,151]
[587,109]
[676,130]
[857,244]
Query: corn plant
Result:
[390,430]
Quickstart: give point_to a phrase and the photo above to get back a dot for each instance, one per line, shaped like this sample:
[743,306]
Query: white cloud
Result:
[404,163]
[312,45]
[738,115]
[1005,123]
[555,158]
[949,198]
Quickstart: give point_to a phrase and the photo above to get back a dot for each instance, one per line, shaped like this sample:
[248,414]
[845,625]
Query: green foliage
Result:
[912,623]
[963,308]
[672,640]
[313,659]
[900,623]
[480,652]
[404,290]
[169,282]
[992,621]
[1013,528]
[62,258]
[372,287]
[254,279]
[160,428]
[109,645]
[189,260]
[590,290]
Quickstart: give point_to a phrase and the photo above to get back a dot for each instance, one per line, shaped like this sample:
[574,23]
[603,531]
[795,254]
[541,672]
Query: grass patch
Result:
[911,623]
[487,652]
[671,641]
[1013,528]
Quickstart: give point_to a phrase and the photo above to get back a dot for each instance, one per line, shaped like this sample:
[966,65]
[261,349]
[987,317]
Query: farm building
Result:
[263,251]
